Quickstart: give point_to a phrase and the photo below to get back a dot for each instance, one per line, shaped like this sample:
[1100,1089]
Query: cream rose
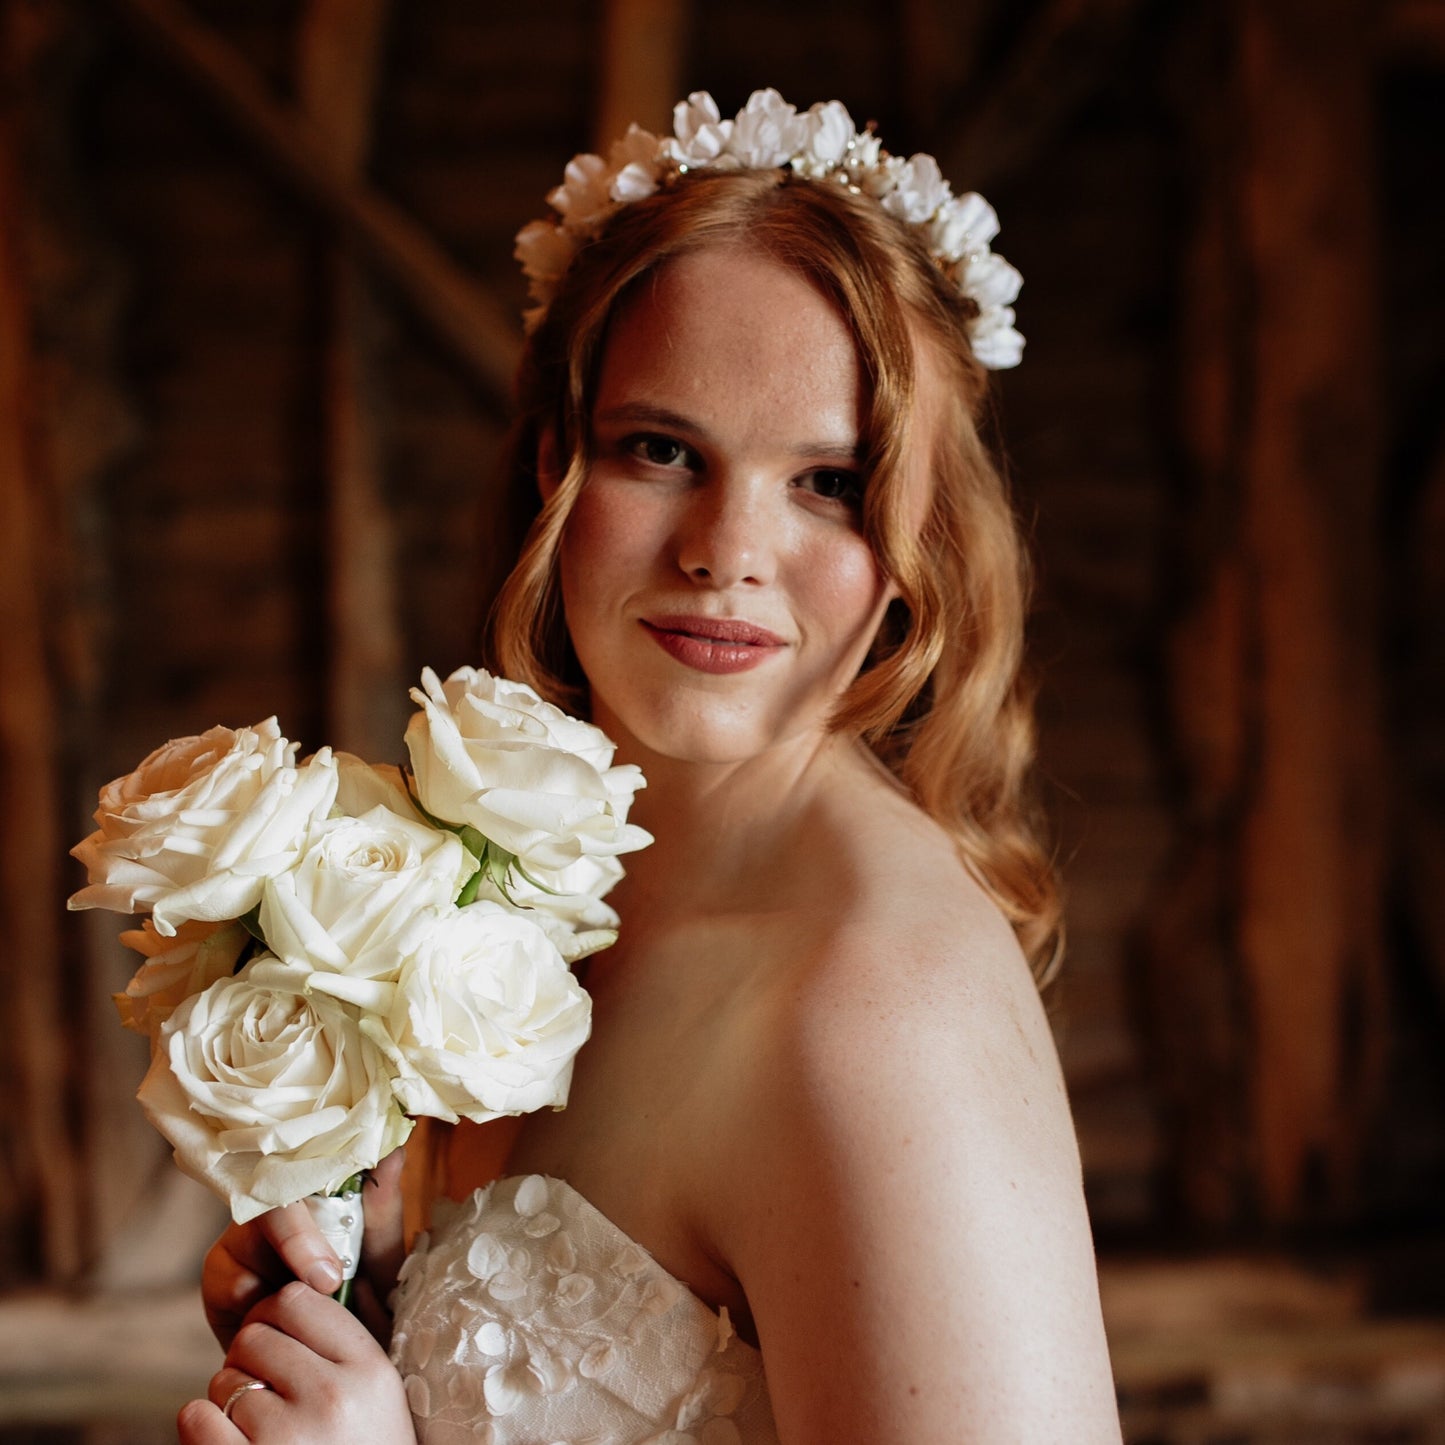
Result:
[566,903]
[194,832]
[362,786]
[489,754]
[355,890]
[486,1018]
[174,969]
[268,1094]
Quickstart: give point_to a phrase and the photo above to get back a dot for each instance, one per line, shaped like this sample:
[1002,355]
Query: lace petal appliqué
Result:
[527,1316]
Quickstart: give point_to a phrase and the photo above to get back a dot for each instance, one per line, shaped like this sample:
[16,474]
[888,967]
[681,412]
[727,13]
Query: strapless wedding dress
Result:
[526,1317]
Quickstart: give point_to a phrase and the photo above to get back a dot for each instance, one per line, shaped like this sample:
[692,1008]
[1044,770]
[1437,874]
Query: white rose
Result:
[194,832]
[174,969]
[566,903]
[489,754]
[767,132]
[486,1018]
[362,786]
[355,890]
[267,1094]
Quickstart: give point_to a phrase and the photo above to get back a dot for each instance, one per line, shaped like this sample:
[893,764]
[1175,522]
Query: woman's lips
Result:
[713,644]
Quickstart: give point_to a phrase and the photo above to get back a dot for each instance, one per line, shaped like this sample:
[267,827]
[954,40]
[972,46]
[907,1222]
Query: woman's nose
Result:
[725,539]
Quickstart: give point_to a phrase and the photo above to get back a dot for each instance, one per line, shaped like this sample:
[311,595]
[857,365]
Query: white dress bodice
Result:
[526,1317]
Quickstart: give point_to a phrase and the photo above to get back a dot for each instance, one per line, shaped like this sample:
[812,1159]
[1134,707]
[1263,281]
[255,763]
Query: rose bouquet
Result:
[333,948]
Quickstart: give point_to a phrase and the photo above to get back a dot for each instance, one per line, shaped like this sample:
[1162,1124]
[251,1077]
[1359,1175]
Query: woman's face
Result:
[718,588]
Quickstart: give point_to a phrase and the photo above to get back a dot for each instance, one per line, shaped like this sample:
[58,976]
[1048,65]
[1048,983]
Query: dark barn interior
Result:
[258,312]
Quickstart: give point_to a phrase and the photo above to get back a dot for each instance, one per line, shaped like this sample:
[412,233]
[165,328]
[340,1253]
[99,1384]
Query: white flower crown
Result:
[823,144]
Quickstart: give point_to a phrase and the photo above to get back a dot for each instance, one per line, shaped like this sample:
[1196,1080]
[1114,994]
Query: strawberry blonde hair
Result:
[941,700]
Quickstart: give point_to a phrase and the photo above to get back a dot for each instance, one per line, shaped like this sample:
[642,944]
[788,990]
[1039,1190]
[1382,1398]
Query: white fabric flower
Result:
[829,133]
[864,157]
[585,193]
[174,969]
[768,132]
[486,1018]
[268,1094]
[354,892]
[964,225]
[991,281]
[194,832]
[634,161]
[545,252]
[700,135]
[994,341]
[490,754]
[919,190]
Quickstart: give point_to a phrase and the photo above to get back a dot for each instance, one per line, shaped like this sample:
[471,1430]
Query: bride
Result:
[817,1179]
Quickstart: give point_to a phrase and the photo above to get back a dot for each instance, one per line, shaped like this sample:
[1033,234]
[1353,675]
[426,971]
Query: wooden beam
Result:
[44,1183]
[482,336]
[338,48]
[641,67]
[1062,58]
[938,48]
[1413,32]
[1268,952]
[1312,859]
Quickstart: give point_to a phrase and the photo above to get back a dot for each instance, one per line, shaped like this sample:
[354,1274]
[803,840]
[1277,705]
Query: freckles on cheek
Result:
[851,587]
[604,527]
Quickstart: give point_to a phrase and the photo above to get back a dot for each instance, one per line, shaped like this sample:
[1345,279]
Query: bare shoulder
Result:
[913,1205]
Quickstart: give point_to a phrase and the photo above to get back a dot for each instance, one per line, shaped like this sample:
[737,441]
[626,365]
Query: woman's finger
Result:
[202,1423]
[293,1234]
[383,1245]
[239,1270]
[295,1316]
[213,1421]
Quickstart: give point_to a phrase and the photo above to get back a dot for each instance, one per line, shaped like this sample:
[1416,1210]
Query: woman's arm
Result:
[916,1250]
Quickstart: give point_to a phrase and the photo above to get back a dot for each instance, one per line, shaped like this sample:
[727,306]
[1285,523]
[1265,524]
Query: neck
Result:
[723,829]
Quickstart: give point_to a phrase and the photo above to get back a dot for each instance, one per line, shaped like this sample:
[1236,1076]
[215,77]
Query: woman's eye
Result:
[835,486]
[660,451]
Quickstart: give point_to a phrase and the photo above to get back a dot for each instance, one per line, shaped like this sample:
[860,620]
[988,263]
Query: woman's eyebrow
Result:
[644,413]
[640,413]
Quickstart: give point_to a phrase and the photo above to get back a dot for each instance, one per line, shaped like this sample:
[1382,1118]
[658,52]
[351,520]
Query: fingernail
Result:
[324,1278]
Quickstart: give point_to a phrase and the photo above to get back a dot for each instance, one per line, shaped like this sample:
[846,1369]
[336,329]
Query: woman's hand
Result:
[327,1380]
[252,1261]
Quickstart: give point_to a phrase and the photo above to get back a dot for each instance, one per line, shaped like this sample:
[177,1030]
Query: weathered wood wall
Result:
[252,319]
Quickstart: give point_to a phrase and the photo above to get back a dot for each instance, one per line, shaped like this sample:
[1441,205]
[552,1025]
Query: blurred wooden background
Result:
[257,314]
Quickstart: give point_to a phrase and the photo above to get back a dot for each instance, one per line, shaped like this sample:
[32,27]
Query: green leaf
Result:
[469,889]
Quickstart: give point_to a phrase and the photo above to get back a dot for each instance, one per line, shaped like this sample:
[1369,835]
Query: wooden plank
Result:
[1311,929]
[46,1180]
[337,58]
[1267,975]
[1064,55]
[1413,32]
[640,67]
[479,332]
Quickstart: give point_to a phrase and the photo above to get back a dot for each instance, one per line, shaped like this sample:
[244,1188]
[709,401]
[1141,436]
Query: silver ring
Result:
[238,1392]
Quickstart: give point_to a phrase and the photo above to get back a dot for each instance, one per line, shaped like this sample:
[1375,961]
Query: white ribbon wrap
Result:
[338,1217]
